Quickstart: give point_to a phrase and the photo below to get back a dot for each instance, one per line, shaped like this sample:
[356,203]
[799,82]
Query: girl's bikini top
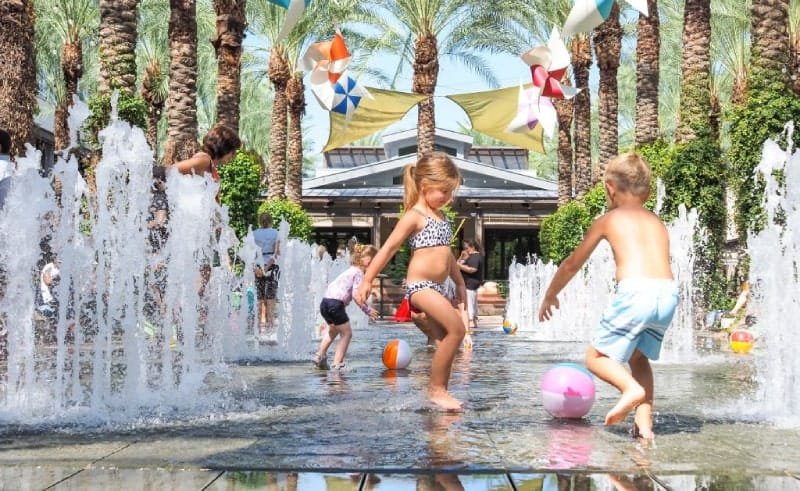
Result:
[434,233]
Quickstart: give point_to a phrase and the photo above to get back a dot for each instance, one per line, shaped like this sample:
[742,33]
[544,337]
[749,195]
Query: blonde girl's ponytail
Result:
[410,189]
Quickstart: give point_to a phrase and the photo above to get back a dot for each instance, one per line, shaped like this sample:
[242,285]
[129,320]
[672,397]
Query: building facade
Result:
[500,203]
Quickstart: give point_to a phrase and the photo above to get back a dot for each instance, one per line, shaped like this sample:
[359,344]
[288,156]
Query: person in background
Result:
[267,275]
[471,265]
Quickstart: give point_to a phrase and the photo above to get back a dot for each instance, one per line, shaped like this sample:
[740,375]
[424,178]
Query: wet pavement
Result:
[289,426]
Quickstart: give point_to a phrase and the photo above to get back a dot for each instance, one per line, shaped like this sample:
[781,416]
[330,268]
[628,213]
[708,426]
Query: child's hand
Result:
[546,310]
[361,295]
[373,314]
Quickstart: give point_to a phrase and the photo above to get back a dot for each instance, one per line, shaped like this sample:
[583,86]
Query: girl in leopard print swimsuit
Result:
[429,186]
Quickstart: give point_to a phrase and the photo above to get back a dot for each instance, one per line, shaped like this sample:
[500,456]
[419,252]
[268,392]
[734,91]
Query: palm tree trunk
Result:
[72,69]
[117,46]
[648,48]
[564,111]
[581,61]
[607,46]
[18,80]
[231,23]
[770,33]
[426,73]
[297,107]
[279,75]
[796,63]
[181,101]
[152,95]
[695,68]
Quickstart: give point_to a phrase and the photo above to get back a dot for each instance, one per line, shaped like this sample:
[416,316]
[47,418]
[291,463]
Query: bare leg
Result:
[345,335]
[325,342]
[269,312]
[616,374]
[643,374]
[431,329]
[262,313]
[441,311]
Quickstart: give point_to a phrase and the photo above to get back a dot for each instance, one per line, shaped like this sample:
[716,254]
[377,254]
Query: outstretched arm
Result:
[570,266]
[405,227]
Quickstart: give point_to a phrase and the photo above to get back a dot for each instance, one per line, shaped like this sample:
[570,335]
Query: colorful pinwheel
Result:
[347,94]
[532,110]
[328,57]
[548,65]
[294,9]
[588,14]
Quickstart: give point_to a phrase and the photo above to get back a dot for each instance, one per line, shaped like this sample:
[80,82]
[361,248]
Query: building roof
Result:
[405,143]
[381,179]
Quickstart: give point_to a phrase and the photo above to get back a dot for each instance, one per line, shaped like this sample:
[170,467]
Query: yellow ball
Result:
[509,327]
[741,341]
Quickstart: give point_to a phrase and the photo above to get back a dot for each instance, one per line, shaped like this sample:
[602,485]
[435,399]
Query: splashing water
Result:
[774,281]
[585,298]
[136,334]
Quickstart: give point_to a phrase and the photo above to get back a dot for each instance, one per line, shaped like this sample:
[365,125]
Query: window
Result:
[334,238]
[503,245]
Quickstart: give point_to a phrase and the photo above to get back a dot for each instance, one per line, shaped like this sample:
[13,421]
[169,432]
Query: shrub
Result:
[300,223]
[239,188]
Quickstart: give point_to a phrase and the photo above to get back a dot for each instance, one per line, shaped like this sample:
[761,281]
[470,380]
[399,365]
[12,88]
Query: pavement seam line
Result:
[213,480]
[65,479]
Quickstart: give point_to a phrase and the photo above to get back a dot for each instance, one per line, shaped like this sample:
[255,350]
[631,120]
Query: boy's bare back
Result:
[639,240]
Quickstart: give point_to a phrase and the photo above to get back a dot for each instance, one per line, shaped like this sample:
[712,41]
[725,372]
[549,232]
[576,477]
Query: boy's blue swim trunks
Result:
[637,318]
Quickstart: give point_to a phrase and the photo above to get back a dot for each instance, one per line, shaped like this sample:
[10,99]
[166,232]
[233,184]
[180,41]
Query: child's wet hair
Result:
[630,174]
[432,169]
[362,250]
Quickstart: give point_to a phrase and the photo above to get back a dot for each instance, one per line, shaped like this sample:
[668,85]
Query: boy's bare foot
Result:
[444,400]
[643,432]
[627,402]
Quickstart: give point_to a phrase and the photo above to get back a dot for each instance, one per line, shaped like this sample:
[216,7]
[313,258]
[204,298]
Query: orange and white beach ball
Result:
[396,354]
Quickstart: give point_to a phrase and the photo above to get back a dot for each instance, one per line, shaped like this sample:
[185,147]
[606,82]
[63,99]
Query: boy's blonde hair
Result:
[630,173]
[362,250]
[432,169]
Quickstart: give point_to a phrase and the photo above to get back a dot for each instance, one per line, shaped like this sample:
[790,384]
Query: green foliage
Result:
[239,189]
[696,179]
[300,223]
[130,108]
[770,105]
[562,231]
[659,155]
[595,200]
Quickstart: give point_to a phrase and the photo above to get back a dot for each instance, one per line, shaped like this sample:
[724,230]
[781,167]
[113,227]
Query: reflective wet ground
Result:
[370,428]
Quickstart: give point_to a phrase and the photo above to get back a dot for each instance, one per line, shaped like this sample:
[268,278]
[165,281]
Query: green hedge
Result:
[300,223]
[239,190]
[770,105]
[132,109]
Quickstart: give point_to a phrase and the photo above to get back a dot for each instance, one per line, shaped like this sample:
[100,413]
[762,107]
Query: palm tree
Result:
[457,28]
[117,46]
[695,105]
[607,46]
[153,59]
[647,53]
[284,175]
[231,24]
[581,48]
[64,28]
[297,107]
[794,37]
[181,101]
[770,34]
[564,111]
[18,83]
